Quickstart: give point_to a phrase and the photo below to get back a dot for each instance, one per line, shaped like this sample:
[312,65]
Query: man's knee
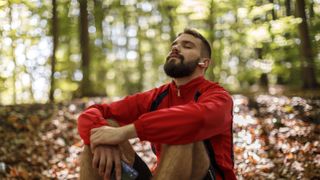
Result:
[191,157]
[176,148]
[196,149]
[201,161]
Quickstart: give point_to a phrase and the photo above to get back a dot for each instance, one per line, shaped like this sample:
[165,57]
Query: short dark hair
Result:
[207,48]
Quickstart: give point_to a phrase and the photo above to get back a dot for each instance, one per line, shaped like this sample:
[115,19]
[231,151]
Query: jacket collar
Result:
[187,88]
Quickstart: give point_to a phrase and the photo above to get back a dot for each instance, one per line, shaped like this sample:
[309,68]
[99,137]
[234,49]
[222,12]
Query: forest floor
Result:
[275,137]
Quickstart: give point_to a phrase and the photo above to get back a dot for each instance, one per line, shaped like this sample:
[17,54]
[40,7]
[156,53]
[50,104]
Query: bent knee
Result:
[197,146]
[195,151]
[178,147]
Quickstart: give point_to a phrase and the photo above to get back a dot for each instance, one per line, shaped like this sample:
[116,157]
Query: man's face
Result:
[184,56]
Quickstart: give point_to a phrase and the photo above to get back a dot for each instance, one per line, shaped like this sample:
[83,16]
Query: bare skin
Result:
[188,161]
[190,47]
[97,163]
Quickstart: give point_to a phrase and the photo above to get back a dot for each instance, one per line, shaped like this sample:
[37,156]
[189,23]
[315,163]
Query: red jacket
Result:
[179,119]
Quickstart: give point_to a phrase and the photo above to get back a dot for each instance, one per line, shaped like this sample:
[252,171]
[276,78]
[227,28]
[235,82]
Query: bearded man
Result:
[187,121]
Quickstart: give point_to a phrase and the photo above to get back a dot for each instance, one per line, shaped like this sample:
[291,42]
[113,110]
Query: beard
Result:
[180,69]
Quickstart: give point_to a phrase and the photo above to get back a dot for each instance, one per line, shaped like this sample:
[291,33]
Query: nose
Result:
[175,48]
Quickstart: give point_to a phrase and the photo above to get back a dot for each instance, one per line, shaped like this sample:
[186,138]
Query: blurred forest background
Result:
[59,50]
[59,56]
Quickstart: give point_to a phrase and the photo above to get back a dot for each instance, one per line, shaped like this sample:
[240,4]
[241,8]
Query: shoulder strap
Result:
[154,106]
[209,148]
[158,100]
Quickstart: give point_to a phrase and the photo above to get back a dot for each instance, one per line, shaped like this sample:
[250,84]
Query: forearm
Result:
[89,119]
[130,131]
[186,123]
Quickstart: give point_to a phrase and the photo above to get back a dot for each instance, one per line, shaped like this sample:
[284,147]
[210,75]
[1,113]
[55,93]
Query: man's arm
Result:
[124,112]
[111,135]
[195,121]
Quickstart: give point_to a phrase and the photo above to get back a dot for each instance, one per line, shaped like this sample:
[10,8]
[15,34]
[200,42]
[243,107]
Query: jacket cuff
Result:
[88,120]
[138,124]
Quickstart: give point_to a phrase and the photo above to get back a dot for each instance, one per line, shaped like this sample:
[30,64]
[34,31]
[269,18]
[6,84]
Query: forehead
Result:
[188,38]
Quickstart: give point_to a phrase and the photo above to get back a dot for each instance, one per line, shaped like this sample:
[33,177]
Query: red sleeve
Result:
[124,112]
[183,124]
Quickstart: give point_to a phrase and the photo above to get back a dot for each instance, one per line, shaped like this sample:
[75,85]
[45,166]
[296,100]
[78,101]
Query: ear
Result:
[205,62]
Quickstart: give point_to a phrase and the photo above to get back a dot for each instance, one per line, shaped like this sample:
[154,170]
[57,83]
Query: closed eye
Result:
[188,44]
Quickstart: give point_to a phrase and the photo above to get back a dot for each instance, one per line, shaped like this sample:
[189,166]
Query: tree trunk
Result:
[140,61]
[288,7]
[307,61]
[273,13]
[12,36]
[98,18]
[171,22]
[211,38]
[311,10]
[85,86]
[99,56]
[55,36]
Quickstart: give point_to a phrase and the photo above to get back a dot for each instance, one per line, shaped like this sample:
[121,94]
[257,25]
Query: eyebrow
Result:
[183,42]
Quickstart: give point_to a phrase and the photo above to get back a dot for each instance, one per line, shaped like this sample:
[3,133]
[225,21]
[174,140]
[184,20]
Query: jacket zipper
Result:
[178,92]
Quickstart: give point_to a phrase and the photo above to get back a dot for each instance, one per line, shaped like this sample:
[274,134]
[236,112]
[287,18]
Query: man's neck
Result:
[184,80]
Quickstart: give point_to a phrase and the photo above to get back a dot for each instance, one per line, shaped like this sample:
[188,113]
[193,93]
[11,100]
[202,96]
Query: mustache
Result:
[175,55]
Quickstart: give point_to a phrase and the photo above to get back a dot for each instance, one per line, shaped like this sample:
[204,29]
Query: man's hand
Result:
[104,157]
[111,135]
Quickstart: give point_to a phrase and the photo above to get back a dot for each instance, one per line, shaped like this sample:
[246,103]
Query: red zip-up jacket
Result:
[179,118]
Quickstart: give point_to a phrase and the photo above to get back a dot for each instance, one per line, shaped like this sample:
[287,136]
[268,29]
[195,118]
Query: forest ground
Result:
[275,137]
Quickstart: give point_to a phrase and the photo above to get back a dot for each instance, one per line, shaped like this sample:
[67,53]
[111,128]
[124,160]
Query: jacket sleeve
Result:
[183,124]
[124,112]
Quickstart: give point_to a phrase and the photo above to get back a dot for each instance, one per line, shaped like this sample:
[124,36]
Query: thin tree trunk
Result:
[85,87]
[100,55]
[311,10]
[12,36]
[273,13]
[140,61]
[307,61]
[211,38]
[171,22]
[288,7]
[98,18]
[55,36]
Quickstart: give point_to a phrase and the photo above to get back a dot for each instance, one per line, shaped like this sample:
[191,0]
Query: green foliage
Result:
[129,40]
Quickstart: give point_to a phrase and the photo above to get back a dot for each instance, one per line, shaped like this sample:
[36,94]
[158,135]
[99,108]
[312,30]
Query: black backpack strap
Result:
[213,163]
[211,155]
[158,100]
[154,106]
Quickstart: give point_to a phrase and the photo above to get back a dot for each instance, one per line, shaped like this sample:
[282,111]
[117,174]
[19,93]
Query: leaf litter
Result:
[275,137]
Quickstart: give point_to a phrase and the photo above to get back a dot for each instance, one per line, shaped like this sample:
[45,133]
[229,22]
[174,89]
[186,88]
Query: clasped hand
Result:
[106,135]
[106,154]
[111,135]
[104,143]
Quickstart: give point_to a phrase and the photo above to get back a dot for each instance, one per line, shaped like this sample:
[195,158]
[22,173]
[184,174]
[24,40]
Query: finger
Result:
[93,142]
[117,163]
[109,164]
[125,159]
[102,164]
[93,146]
[95,160]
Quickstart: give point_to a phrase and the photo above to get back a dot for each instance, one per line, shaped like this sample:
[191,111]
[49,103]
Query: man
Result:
[188,122]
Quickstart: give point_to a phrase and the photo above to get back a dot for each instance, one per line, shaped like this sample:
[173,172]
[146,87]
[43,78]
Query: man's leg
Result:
[188,161]
[201,161]
[86,169]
